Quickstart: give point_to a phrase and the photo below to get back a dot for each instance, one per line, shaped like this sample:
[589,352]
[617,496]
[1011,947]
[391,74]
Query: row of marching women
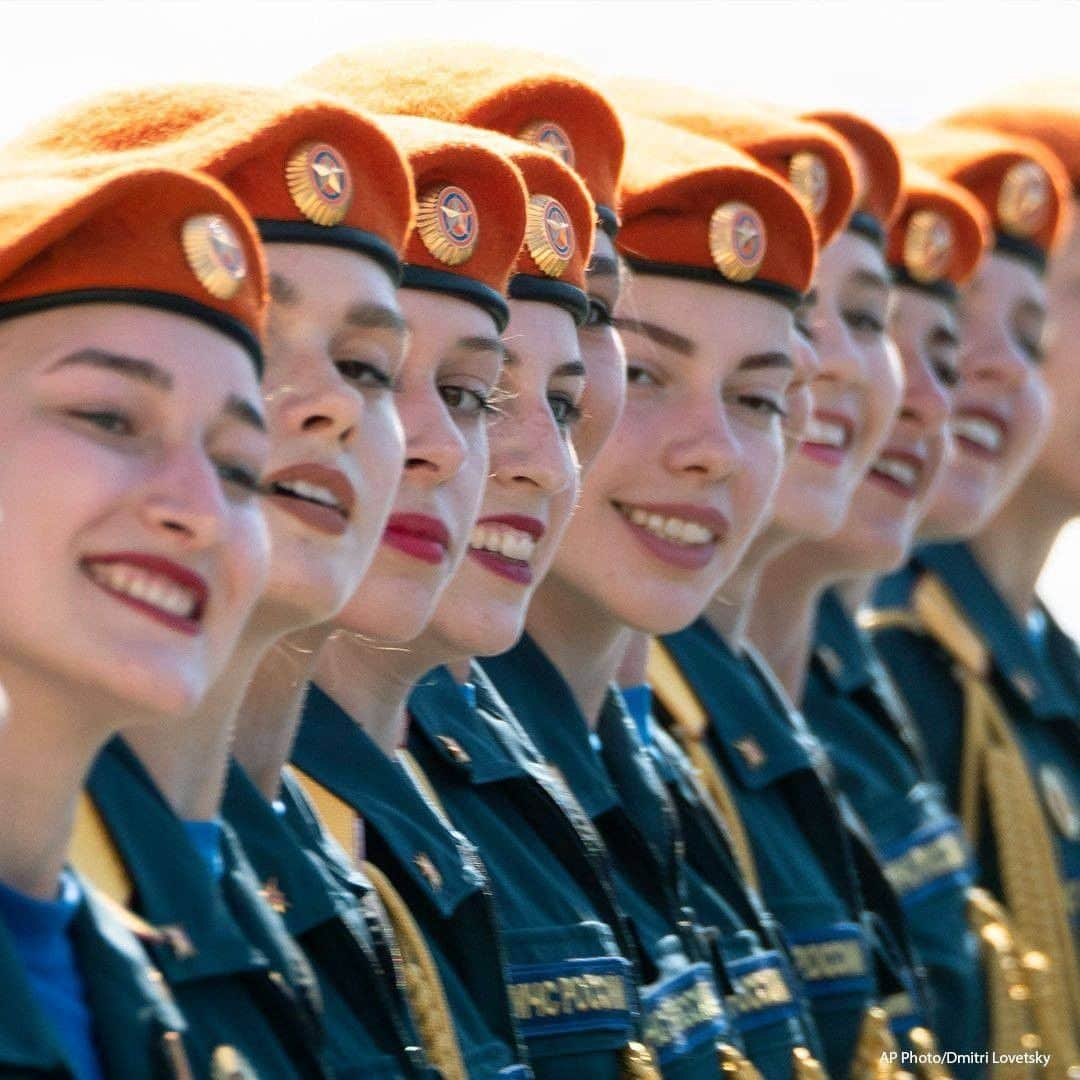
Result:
[517,573]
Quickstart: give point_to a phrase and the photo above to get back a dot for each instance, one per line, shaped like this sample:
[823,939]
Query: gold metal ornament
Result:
[549,234]
[928,246]
[319,182]
[227,1063]
[447,223]
[214,253]
[551,137]
[810,179]
[1059,802]
[1024,199]
[737,240]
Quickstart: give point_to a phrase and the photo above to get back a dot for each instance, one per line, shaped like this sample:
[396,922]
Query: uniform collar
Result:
[545,707]
[751,724]
[840,651]
[290,881]
[338,753]
[172,884]
[461,734]
[1014,655]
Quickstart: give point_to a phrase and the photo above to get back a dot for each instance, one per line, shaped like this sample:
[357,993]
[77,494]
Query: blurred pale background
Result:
[902,62]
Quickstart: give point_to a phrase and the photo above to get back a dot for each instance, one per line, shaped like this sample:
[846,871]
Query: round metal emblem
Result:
[810,179]
[549,136]
[319,182]
[1024,199]
[549,234]
[214,253]
[737,240]
[928,246]
[1059,802]
[447,223]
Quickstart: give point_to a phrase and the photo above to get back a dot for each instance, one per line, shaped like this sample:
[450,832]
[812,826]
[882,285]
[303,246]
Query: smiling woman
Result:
[132,437]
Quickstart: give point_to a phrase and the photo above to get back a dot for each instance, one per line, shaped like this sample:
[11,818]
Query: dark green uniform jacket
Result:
[435,869]
[808,861]
[369,1031]
[1037,683]
[139,1030]
[681,996]
[238,978]
[880,765]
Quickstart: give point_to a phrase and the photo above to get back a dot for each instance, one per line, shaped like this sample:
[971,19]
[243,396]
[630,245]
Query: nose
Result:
[838,356]
[805,357]
[435,449]
[185,502]
[926,403]
[996,361]
[529,449]
[326,408]
[704,443]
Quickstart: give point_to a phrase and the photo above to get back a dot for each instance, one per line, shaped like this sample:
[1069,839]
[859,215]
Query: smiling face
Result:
[335,346]
[451,367]
[855,393]
[678,490]
[602,351]
[1054,478]
[1001,407]
[531,488]
[888,505]
[132,446]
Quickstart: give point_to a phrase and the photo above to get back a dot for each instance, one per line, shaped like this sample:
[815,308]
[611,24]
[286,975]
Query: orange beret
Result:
[154,237]
[940,235]
[471,211]
[878,172]
[308,169]
[699,208]
[1048,111]
[532,97]
[1020,184]
[812,158]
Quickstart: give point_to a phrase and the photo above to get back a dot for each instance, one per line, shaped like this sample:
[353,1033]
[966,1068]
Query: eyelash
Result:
[864,320]
[481,400]
[101,418]
[1034,349]
[571,411]
[634,371]
[359,371]
[599,314]
[946,374]
[238,475]
[759,403]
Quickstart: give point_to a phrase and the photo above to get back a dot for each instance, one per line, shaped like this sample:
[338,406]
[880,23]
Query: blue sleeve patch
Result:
[683,1012]
[589,994]
[932,858]
[833,960]
[762,991]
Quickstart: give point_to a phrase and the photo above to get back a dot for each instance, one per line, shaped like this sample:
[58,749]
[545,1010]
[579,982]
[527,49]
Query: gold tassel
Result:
[875,1047]
[94,855]
[804,1066]
[423,984]
[994,771]
[636,1062]
[734,1064]
[691,723]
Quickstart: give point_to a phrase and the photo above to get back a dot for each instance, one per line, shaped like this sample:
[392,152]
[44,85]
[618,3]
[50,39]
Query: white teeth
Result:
[503,540]
[825,433]
[311,492]
[901,471]
[669,528]
[984,433]
[151,589]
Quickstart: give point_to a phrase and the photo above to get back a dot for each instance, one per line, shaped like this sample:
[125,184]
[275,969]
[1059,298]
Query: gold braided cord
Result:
[636,1062]
[1012,1023]
[804,1066]
[994,770]
[93,853]
[423,984]
[691,723]
[875,1049]
[925,1045]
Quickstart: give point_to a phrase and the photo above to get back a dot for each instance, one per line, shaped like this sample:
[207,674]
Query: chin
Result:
[151,690]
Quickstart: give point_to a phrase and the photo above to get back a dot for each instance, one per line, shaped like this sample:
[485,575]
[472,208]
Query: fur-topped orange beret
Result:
[1047,111]
[535,98]
[699,208]
[812,158]
[308,169]
[154,237]
[471,212]
[878,172]
[1021,185]
[940,235]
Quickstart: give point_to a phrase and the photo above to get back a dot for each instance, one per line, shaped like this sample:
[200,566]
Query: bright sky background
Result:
[901,62]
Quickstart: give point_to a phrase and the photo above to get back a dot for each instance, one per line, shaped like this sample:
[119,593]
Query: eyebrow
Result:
[133,367]
[661,335]
[871,279]
[776,359]
[282,289]
[480,343]
[376,317]
[943,335]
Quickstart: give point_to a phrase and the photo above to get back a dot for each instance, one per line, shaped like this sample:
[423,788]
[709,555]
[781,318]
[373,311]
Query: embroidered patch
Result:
[930,859]
[682,1013]
[762,994]
[833,960]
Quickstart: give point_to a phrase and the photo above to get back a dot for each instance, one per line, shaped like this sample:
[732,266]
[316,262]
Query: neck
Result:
[581,639]
[781,624]
[48,740]
[1014,547]
[272,705]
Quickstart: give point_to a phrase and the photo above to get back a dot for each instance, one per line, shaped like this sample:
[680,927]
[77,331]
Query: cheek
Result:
[380,451]
[765,458]
[247,554]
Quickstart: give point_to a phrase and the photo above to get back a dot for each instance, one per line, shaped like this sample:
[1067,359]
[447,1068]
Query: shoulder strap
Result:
[691,722]
[339,819]
[93,853]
